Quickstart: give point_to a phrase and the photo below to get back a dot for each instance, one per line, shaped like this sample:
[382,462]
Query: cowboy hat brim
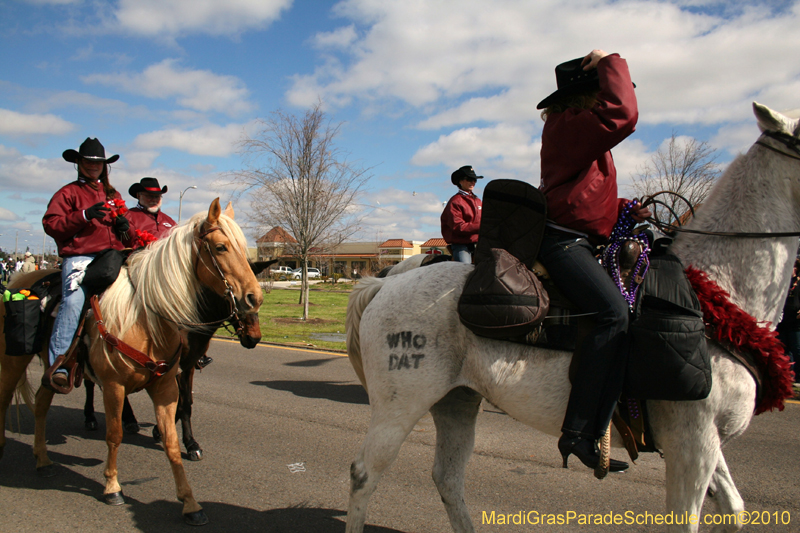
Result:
[568,91]
[73,156]
[136,188]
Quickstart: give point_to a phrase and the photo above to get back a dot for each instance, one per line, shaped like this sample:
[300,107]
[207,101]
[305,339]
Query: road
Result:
[263,414]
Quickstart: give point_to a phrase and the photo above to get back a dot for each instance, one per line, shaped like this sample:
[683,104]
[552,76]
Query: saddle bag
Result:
[502,298]
[103,270]
[668,357]
[26,311]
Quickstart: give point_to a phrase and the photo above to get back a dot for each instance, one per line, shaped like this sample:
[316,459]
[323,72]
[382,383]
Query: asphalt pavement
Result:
[280,427]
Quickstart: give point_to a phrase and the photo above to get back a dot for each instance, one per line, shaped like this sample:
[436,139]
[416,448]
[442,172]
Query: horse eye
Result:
[221,248]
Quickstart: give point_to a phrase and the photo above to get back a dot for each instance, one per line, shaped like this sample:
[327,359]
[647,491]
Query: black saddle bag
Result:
[502,298]
[668,357]
[103,270]
[24,321]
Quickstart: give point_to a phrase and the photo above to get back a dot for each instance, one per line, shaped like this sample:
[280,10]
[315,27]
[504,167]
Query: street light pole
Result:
[180,201]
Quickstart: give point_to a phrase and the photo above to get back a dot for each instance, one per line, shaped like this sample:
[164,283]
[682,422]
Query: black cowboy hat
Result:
[463,173]
[148,185]
[90,149]
[571,79]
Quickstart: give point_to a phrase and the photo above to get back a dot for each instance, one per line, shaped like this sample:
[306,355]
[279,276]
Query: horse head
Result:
[222,264]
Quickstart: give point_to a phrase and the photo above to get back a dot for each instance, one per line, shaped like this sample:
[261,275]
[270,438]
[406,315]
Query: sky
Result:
[419,87]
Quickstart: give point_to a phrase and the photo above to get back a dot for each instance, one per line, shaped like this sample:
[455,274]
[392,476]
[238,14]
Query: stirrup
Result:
[74,374]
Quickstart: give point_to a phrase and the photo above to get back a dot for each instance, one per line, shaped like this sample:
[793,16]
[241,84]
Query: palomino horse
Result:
[248,330]
[413,355]
[157,290]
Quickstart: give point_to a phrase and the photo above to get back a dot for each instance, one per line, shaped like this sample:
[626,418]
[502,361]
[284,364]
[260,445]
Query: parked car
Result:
[313,273]
[282,272]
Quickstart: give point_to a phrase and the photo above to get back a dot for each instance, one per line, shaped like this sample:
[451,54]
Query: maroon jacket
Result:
[158,225]
[74,235]
[461,219]
[579,178]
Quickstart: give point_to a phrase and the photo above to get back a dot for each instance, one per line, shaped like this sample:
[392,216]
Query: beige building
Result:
[348,259]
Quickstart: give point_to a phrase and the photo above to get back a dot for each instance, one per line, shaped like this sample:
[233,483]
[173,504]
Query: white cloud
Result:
[14,123]
[179,17]
[211,140]
[201,90]
[31,174]
[8,216]
[504,146]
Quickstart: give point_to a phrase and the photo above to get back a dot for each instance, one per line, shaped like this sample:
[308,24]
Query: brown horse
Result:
[154,296]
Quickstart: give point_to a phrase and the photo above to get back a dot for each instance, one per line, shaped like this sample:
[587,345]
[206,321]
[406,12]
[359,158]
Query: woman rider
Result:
[79,221]
[592,111]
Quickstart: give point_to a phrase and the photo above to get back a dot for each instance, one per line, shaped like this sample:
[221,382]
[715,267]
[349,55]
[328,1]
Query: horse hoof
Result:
[46,471]
[90,424]
[131,427]
[156,435]
[197,518]
[196,455]
[114,498]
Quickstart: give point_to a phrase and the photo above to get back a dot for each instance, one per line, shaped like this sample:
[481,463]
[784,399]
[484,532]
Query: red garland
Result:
[144,238]
[732,326]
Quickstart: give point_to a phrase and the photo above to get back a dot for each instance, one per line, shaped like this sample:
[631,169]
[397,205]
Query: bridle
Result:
[791,142]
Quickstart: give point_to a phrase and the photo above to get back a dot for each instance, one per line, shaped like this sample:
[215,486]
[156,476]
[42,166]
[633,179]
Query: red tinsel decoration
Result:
[144,238]
[733,327]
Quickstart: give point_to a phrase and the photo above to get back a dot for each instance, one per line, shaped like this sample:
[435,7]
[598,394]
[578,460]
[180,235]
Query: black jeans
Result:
[601,357]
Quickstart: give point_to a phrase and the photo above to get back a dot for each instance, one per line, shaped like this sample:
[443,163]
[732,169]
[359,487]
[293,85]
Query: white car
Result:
[313,273]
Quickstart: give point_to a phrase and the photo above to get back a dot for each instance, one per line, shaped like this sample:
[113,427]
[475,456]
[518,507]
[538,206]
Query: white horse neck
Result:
[755,194]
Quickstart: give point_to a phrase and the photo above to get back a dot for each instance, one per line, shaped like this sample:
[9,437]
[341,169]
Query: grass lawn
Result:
[280,317]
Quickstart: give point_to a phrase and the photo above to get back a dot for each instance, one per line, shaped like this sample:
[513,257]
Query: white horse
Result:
[413,355]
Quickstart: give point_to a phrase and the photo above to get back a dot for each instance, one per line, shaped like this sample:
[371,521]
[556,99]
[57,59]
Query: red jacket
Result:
[461,219]
[74,235]
[579,178]
[158,225]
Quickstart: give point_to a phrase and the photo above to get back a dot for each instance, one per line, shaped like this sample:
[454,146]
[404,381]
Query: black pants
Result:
[597,383]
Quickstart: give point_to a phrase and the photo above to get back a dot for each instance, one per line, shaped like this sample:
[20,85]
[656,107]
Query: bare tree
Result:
[684,166]
[300,181]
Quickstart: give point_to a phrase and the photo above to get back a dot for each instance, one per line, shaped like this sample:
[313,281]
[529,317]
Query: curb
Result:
[280,345]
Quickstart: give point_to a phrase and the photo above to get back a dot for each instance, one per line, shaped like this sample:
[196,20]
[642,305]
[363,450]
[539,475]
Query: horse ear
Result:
[229,210]
[769,120]
[214,212]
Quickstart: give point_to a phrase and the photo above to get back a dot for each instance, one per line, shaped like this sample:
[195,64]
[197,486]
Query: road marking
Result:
[282,347]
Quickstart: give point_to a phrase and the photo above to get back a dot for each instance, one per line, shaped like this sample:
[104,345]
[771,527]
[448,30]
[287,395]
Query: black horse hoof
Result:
[198,518]
[156,435]
[131,427]
[196,455]
[46,471]
[90,424]
[114,498]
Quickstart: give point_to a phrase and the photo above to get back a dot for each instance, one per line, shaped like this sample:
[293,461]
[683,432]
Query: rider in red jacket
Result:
[592,111]
[461,217]
[79,218]
[147,215]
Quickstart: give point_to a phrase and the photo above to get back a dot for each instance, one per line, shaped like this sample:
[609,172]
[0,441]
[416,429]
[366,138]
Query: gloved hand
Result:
[121,224]
[98,210]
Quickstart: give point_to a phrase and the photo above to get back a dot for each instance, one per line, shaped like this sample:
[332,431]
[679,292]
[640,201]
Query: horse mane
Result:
[158,288]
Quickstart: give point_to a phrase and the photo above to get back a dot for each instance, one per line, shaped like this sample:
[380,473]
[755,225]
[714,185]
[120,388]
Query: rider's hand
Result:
[121,224]
[98,210]
[640,214]
[592,58]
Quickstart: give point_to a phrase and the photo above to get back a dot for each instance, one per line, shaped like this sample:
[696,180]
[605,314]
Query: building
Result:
[351,259]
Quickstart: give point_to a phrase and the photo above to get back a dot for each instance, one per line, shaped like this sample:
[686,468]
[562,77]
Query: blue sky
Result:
[422,87]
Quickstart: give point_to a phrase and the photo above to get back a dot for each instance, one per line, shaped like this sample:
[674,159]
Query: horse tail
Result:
[360,298]
[25,391]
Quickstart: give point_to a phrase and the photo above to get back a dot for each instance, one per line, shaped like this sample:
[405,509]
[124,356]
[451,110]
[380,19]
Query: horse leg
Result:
[387,431]
[455,416]
[44,466]
[113,397]
[184,414]
[129,422]
[164,394]
[11,370]
[89,420]
[725,497]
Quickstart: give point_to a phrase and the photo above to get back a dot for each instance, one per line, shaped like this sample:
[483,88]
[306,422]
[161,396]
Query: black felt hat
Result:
[91,149]
[463,173]
[571,79]
[148,185]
